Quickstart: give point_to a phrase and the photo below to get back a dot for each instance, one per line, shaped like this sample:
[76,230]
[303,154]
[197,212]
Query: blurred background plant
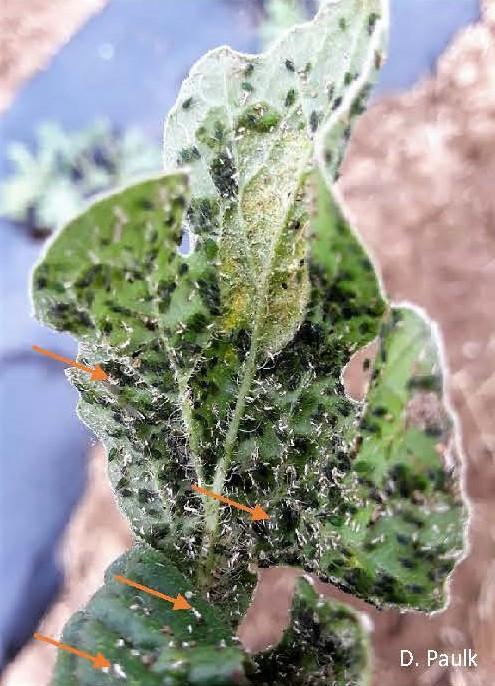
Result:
[51,183]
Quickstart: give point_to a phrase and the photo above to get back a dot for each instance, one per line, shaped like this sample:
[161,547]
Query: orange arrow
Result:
[257,513]
[97,373]
[99,661]
[179,602]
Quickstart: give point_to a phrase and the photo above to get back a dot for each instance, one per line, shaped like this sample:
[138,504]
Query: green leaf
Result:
[325,643]
[211,383]
[146,641]
[115,280]
[226,363]
[247,151]
[179,394]
[408,483]
[295,447]
[399,531]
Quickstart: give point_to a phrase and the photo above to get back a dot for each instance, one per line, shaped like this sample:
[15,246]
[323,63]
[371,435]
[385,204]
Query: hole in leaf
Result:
[357,372]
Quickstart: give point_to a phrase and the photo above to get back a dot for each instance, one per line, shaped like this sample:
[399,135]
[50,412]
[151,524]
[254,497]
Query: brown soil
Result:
[31,32]
[418,181]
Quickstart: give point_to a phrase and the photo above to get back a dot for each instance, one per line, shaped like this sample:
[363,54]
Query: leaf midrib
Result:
[212,506]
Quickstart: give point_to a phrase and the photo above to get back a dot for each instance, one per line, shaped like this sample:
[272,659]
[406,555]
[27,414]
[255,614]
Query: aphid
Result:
[151,324]
[415,588]
[106,326]
[145,204]
[290,98]
[371,427]
[223,173]
[187,155]
[385,585]
[314,120]
[260,118]
[410,518]
[145,496]
[372,19]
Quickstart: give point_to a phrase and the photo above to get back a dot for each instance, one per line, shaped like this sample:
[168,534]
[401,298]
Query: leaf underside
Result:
[358,500]
[225,362]
[147,642]
[324,644]
[144,639]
